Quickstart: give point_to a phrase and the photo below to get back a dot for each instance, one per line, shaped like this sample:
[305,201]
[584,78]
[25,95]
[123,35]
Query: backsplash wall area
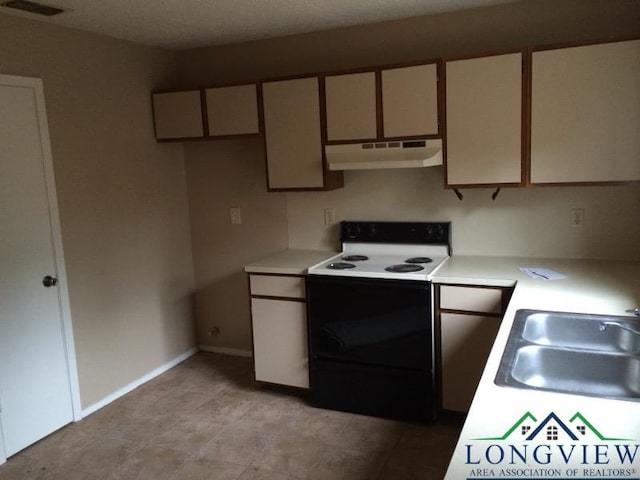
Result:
[520,222]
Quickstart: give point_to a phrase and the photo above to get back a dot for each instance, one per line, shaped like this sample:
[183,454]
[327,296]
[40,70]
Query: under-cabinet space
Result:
[484,100]
[232,110]
[178,115]
[585,114]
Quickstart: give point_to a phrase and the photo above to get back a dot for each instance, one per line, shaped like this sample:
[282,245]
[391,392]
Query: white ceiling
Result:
[182,24]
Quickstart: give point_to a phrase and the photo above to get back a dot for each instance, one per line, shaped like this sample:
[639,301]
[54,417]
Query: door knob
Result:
[49,281]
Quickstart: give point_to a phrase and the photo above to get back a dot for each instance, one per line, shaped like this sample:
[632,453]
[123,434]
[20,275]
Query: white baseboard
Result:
[136,383]
[226,351]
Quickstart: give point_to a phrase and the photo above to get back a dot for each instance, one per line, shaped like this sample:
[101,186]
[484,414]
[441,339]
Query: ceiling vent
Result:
[33,7]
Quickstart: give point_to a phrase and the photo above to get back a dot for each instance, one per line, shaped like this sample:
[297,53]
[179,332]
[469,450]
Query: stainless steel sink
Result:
[573,353]
[582,372]
[581,331]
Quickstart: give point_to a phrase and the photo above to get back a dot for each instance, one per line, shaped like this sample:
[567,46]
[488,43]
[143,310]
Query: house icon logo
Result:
[552,446]
[553,428]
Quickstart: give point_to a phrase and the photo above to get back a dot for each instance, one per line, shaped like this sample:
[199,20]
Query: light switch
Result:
[329,216]
[235,215]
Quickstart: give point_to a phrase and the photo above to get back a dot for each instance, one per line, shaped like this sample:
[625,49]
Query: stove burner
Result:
[418,260]
[355,258]
[404,268]
[340,266]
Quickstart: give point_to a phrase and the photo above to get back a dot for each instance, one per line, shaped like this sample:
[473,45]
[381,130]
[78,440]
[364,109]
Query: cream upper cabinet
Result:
[585,114]
[484,120]
[292,131]
[410,101]
[351,106]
[232,110]
[293,136]
[407,99]
[178,115]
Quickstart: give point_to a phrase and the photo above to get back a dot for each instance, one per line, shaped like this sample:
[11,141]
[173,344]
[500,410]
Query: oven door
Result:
[375,322]
[371,348]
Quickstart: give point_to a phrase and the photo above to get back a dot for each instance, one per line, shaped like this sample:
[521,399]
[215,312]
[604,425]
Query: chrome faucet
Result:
[604,325]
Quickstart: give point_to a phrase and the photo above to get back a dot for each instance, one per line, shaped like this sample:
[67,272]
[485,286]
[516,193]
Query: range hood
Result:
[393,154]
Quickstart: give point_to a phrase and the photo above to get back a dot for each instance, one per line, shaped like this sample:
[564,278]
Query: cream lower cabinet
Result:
[467,321]
[279,324]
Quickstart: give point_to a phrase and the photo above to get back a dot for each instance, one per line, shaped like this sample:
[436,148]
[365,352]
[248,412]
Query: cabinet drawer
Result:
[471,299]
[277,286]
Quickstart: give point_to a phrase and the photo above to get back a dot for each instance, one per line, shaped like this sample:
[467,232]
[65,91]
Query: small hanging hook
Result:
[458,193]
[494,195]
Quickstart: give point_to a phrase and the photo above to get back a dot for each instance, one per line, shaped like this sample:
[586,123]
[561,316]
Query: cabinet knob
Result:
[49,281]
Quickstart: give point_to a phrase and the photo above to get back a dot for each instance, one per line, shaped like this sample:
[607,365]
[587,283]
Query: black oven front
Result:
[371,346]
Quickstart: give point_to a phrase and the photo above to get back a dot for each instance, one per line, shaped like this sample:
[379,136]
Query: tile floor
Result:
[207,419]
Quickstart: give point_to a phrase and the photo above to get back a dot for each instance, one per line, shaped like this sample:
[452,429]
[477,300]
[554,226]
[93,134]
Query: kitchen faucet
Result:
[604,325]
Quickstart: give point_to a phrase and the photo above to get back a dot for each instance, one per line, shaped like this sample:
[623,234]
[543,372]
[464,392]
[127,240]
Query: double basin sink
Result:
[593,355]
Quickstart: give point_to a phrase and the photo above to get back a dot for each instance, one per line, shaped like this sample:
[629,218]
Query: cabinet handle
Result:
[49,281]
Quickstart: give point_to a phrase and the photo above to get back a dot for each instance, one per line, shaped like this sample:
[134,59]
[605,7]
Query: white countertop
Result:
[289,262]
[591,286]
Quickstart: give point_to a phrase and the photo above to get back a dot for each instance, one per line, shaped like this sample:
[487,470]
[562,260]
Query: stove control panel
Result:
[422,233]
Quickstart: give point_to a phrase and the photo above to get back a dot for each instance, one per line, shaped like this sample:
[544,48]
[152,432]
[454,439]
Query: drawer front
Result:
[277,286]
[471,299]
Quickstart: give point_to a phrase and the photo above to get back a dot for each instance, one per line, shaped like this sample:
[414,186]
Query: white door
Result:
[36,395]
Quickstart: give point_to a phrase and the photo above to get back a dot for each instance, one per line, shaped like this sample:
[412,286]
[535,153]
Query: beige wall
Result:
[520,222]
[224,174]
[527,22]
[122,197]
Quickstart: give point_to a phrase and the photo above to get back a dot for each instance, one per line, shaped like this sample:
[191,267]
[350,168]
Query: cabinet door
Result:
[292,134]
[585,114]
[232,110]
[410,101]
[178,115]
[351,106]
[484,120]
[280,342]
[466,341]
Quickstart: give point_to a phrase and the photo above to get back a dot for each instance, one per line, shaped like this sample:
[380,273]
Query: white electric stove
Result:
[370,320]
[379,257]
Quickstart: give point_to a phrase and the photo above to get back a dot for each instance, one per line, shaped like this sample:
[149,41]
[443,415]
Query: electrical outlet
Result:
[235,215]
[329,216]
[577,217]
[215,330]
